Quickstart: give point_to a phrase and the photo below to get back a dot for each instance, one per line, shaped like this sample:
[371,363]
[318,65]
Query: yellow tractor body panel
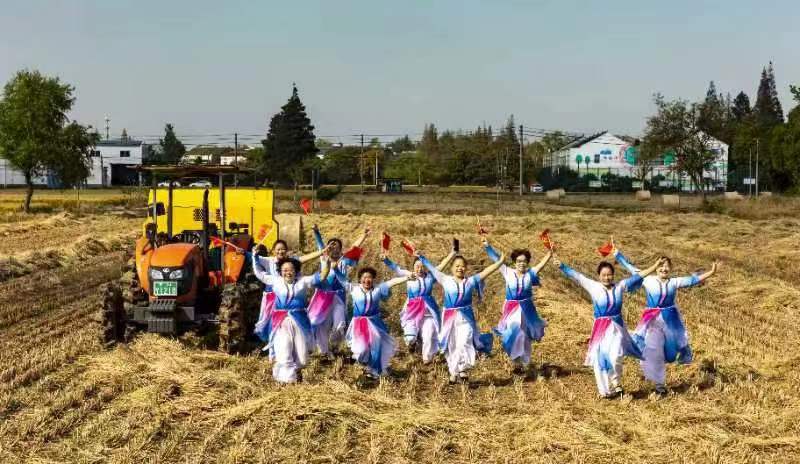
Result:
[250,206]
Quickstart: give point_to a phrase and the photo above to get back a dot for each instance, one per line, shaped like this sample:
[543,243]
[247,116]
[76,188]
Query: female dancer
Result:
[420,315]
[289,338]
[327,308]
[459,335]
[269,264]
[367,336]
[661,334]
[610,340]
[520,324]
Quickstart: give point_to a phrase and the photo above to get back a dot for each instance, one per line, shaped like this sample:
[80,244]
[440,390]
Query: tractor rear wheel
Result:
[112,318]
[237,305]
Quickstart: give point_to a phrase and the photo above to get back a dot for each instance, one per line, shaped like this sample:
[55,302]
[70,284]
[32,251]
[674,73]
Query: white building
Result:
[608,153]
[113,159]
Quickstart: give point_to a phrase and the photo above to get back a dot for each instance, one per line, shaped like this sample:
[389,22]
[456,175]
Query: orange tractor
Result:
[191,267]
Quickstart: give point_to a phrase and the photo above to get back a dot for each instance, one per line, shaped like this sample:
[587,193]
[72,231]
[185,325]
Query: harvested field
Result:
[63,398]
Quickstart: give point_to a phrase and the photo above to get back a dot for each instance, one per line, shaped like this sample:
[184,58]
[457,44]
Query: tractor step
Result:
[163,306]
[163,325]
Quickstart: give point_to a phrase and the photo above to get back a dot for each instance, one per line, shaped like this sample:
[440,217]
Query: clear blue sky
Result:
[390,67]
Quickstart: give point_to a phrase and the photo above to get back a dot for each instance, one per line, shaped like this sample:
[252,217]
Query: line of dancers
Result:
[293,329]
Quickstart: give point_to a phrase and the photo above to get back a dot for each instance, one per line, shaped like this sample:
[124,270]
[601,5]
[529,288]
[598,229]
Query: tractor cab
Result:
[194,250]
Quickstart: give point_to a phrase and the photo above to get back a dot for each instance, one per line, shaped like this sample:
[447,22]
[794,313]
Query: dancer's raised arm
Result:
[437,274]
[574,275]
[361,238]
[394,266]
[621,259]
[447,260]
[259,271]
[396,281]
[543,262]
[318,237]
[694,279]
[492,268]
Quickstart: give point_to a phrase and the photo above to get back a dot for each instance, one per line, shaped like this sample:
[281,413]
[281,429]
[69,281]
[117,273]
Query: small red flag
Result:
[408,247]
[605,250]
[305,203]
[545,238]
[217,241]
[354,253]
[386,241]
[482,230]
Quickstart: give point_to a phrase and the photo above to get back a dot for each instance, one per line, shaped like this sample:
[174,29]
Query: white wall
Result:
[11,177]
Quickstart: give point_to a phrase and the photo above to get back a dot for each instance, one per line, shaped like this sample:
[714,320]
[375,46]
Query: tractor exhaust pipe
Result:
[204,235]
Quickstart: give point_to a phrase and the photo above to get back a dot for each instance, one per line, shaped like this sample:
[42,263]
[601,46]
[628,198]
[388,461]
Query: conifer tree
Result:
[290,142]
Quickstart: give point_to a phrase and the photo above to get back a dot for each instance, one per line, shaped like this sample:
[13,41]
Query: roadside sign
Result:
[665,183]
[749,181]
[637,184]
[595,184]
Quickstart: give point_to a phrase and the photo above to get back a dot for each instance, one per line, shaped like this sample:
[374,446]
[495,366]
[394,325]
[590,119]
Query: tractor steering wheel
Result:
[188,236]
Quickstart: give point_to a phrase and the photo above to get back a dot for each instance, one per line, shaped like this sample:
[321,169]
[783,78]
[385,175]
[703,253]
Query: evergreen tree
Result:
[741,107]
[773,94]
[767,109]
[290,142]
[172,149]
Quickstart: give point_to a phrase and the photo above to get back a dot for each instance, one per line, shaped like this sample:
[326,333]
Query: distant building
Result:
[604,152]
[212,154]
[113,159]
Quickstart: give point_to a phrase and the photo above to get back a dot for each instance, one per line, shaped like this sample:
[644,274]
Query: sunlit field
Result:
[65,398]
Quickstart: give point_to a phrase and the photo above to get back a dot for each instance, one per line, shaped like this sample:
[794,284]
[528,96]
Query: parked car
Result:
[165,183]
[537,188]
[201,183]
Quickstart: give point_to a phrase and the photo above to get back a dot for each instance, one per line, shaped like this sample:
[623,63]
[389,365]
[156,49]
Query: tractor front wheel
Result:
[237,305]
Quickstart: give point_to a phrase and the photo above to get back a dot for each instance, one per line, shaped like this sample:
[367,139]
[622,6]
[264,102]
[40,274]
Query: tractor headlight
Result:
[176,274]
[155,274]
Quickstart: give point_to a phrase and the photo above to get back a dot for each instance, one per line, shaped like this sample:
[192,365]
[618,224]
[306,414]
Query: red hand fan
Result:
[408,247]
[605,250]
[545,238]
[305,203]
[354,253]
[386,241]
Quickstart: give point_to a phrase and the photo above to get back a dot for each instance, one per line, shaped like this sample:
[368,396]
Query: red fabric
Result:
[263,231]
[545,238]
[305,203]
[408,247]
[386,241]
[482,230]
[605,250]
[354,253]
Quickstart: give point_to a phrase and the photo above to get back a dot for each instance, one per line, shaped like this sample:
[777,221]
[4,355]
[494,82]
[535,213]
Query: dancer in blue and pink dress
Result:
[610,340]
[459,336]
[269,264]
[420,315]
[367,336]
[661,334]
[520,324]
[327,309]
[289,338]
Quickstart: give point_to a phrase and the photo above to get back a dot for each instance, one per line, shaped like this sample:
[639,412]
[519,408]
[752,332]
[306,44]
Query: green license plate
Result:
[165,288]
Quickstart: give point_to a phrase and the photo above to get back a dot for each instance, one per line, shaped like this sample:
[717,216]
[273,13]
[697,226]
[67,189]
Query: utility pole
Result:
[376,167]
[361,164]
[756,168]
[107,126]
[520,159]
[236,158]
[750,172]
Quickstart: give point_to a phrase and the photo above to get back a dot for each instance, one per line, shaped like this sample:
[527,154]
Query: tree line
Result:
[37,138]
